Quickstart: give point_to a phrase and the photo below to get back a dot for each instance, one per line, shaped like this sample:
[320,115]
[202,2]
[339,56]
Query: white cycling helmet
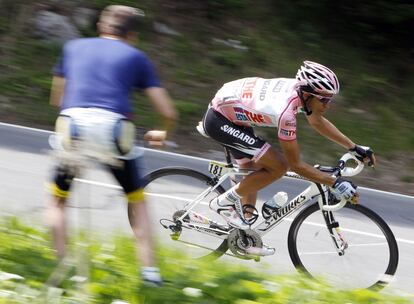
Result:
[318,78]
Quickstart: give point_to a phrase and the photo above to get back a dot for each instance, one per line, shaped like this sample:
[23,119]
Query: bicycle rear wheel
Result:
[168,191]
[371,256]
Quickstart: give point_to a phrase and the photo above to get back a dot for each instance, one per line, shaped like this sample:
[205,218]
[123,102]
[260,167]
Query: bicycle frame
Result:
[311,192]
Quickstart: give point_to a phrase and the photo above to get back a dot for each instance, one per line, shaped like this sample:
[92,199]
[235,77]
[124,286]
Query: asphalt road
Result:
[25,165]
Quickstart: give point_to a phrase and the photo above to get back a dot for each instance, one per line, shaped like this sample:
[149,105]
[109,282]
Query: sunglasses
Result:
[323,99]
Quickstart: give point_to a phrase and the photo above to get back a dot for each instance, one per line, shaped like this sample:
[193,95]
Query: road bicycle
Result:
[346,244]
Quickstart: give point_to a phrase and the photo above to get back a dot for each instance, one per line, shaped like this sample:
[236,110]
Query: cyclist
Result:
[92,83]
[241,104]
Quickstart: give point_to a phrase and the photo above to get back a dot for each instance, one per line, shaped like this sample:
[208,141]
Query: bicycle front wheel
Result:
[369,257]
[169,191]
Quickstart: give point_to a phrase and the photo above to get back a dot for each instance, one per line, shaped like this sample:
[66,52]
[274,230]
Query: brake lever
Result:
[371,161]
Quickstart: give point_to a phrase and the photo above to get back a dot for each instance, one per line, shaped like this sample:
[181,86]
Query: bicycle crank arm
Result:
[253,257]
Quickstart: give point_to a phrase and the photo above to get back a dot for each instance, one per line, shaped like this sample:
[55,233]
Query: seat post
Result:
[228,157]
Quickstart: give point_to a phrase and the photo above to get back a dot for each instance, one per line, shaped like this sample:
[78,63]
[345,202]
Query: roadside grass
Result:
[26,262]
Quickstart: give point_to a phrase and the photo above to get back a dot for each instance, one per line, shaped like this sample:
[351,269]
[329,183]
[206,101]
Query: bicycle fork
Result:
[335,232]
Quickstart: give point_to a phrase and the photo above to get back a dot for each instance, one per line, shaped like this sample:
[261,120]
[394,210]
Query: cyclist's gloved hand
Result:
[363,153]
[344,189]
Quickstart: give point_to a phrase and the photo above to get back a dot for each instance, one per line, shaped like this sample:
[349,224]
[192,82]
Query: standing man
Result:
[92,84]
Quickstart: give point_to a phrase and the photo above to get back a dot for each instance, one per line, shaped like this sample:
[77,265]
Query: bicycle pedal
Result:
[175,235]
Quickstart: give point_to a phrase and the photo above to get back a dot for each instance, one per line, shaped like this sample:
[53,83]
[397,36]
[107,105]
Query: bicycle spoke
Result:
[169,196]
[364,255]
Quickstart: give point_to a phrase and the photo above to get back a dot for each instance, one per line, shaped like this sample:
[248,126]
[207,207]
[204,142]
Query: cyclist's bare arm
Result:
[56,91]
[292,154]
[324,127]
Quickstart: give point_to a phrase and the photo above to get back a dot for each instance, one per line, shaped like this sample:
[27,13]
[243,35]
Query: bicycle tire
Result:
[392,263]
[192,177]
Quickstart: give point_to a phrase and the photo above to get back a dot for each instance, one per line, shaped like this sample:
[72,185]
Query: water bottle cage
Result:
[267,211]
[250,214]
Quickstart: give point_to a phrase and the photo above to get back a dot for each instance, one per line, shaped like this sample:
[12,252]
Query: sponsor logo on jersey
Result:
[290,121]
[287,132]
[240,114]
[229,99]
[263,90]
[248,87]
[244,115]
[278,86]
[238,134]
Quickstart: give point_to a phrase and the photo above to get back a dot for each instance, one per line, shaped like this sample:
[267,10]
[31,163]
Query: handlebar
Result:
[350,171]
[342,170]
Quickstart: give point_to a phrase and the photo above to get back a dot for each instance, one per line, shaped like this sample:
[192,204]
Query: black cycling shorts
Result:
[129,175]
[243,143]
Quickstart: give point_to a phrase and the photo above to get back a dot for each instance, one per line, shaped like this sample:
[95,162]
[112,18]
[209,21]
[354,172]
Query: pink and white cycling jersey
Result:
[261,102]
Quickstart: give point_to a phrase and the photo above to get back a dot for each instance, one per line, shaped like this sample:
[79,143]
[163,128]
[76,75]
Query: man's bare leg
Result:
[140,224]
[56,220]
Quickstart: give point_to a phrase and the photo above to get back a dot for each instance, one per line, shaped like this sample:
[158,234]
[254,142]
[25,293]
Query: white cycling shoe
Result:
[229,211]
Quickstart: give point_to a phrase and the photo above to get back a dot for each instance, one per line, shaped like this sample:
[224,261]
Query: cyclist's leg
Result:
[130,178]
[250,198]
[249,151]
[55,212]
[273,165]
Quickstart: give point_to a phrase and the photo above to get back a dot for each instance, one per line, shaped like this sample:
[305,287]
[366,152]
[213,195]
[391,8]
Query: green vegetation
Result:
[367,45]
[25,253]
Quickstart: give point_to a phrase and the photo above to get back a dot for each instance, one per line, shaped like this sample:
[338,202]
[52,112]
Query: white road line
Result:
[387,193]
[347,230]
[200,159]
[334,252]
[367,244]
[308,223]
[317,253]
[25,128]
[358,232]
[205,203]
[99,184]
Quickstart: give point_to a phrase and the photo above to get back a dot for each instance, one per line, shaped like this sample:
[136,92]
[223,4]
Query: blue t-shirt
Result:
[102,73]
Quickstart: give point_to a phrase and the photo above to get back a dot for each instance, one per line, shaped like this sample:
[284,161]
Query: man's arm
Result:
[164,106]
[57,90]
[328,130]
[292,154]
